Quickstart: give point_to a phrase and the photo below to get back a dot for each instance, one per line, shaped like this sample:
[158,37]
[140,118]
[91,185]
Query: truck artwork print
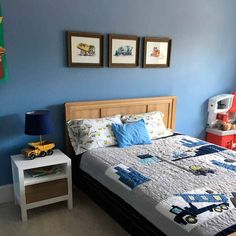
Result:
[86,49]
[155,52]
[3,65]
[190,209]
[124,51]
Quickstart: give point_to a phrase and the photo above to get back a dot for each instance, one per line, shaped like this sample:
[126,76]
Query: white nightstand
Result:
[31,192]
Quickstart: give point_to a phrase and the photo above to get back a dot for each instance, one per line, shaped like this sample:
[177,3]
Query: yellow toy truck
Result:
[38,149]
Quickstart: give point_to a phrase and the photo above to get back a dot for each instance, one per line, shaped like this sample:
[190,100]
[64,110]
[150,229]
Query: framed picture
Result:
[85,49]
[156,52]
[123,50]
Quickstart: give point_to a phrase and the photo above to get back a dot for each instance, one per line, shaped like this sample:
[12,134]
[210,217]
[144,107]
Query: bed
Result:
[167,200]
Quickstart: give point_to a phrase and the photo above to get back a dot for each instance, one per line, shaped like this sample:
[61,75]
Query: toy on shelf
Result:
[222,121]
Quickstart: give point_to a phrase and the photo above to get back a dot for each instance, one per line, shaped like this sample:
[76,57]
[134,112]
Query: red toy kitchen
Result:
[221,126]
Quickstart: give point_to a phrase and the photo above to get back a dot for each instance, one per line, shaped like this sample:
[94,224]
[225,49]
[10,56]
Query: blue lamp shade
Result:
[38,122]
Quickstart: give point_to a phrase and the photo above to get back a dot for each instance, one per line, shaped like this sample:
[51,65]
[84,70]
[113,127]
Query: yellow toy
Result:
[38,149]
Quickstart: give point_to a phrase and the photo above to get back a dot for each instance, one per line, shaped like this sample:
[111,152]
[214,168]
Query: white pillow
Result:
[73,132]
[154,122]
[94,133]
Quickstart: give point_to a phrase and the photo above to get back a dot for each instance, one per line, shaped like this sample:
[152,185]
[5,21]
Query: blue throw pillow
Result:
[131,133]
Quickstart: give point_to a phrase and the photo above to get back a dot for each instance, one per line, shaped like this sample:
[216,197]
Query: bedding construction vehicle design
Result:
[199,170]
[233,199]
[188,215]
[86,49]
[38,149]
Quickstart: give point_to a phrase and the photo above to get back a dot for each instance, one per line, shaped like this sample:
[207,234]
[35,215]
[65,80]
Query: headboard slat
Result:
[136,109]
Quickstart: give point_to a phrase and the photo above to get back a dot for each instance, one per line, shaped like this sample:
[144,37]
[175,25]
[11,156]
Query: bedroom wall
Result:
[203,61]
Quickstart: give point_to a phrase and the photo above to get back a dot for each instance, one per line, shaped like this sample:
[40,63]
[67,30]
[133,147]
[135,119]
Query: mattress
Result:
[182,185]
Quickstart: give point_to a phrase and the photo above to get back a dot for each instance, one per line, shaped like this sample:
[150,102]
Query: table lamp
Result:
[38,122]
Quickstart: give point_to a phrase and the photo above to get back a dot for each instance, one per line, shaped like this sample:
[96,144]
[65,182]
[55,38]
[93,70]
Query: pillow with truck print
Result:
[73,132]
[95,133]
[154,122]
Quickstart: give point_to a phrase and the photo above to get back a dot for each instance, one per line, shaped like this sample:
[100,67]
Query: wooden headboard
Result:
[98,109]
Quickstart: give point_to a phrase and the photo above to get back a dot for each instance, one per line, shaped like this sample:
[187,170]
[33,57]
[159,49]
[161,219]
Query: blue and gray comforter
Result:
[183,185]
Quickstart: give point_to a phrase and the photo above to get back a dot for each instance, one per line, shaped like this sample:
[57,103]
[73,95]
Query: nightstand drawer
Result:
[47,190]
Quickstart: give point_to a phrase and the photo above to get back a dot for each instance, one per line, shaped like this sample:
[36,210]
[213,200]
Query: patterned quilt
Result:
[183,185]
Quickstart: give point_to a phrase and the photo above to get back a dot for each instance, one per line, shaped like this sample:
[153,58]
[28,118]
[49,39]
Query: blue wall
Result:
[203,60]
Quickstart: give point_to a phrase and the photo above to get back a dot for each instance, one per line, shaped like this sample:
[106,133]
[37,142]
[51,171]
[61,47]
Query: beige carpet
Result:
[86,218]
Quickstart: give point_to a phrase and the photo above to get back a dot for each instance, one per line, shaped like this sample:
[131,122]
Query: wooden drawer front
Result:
[43,191]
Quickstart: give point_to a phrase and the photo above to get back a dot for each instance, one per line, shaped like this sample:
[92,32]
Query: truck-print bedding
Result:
[183,185]
[194,207]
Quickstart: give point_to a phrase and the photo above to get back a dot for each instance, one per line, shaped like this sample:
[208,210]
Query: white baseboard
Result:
[6,193]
